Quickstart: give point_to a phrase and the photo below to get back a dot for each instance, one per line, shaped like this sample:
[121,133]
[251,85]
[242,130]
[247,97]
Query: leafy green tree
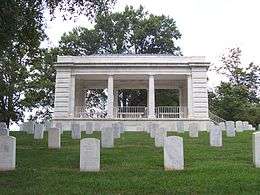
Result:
[22,26]
[237,99]
[20,33]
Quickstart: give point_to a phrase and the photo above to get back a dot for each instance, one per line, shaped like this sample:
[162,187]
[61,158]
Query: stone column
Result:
[151,98]
[189,95]
[115,102]
[110,96]
[72,95]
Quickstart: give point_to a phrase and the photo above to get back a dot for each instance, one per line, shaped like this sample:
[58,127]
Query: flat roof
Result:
[131,59]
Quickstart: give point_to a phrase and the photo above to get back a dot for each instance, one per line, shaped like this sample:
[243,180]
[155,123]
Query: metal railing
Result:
[171,112]
[130,112]
[216,119]
[133,112]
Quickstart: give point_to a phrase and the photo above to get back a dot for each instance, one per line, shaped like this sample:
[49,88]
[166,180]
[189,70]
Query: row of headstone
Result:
[90,147]
[31,127]
[239,126]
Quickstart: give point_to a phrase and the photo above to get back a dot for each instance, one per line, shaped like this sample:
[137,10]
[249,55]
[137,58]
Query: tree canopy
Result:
[237,99]
[22,29]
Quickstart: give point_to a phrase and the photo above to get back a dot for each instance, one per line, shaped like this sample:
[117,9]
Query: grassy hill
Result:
[133,166]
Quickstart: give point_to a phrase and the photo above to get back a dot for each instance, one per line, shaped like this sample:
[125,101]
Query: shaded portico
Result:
[76,74]
[114,83]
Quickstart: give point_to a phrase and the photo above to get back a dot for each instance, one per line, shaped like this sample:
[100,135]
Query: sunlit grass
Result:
[133,166]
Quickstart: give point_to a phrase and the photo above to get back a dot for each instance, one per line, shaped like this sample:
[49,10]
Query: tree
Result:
[22,26]
[248,77]
[237,99]
[128,32]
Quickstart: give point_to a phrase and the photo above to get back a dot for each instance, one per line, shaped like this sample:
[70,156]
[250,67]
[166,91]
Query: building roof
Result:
[131,60]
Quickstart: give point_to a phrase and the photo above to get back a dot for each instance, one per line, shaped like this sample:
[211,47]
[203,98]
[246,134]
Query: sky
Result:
[208,27]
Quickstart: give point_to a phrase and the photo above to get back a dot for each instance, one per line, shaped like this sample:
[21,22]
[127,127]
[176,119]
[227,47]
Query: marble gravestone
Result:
[3,129]
[256,149]
[107,137]
[38,131]
[239,126]
[160,134]
[29,127]
[54,138]
[230,127]
[59,126]
[180,126]
[154,128]
[245,125]
[97,127]
[89,154]
[193,130]
[89,127]
[75,131]
[148,127]
[47,125]
[222,126]
[116,128]
[173,153]
[122,127]
[215,135]
[7,153]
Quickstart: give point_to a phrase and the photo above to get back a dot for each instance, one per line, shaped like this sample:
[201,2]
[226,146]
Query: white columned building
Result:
[78,74]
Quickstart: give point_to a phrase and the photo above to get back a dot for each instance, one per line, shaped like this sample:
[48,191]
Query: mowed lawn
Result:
[133,166]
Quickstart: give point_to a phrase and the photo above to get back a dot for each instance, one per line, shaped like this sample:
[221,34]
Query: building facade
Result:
[78,74]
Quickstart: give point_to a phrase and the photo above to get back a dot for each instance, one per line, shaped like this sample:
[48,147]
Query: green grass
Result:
[133,166]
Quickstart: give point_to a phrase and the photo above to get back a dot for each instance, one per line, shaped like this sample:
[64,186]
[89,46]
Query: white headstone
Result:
[180,126]
[173,126]
[215,135]
[116,128]
[59,126]
[38,131]
[3,129]
[54,138]
[89,154]
[7,153]
[47,125]
[256,149]
[222,126]
[75,131]
[160,134]
[153,129]
[97,126]
[89,127]
[29,127]
[245,125]
[239,126]
[250,127]
[173,153]
[107,137]
[122,127]
[193,130]
[231,131]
